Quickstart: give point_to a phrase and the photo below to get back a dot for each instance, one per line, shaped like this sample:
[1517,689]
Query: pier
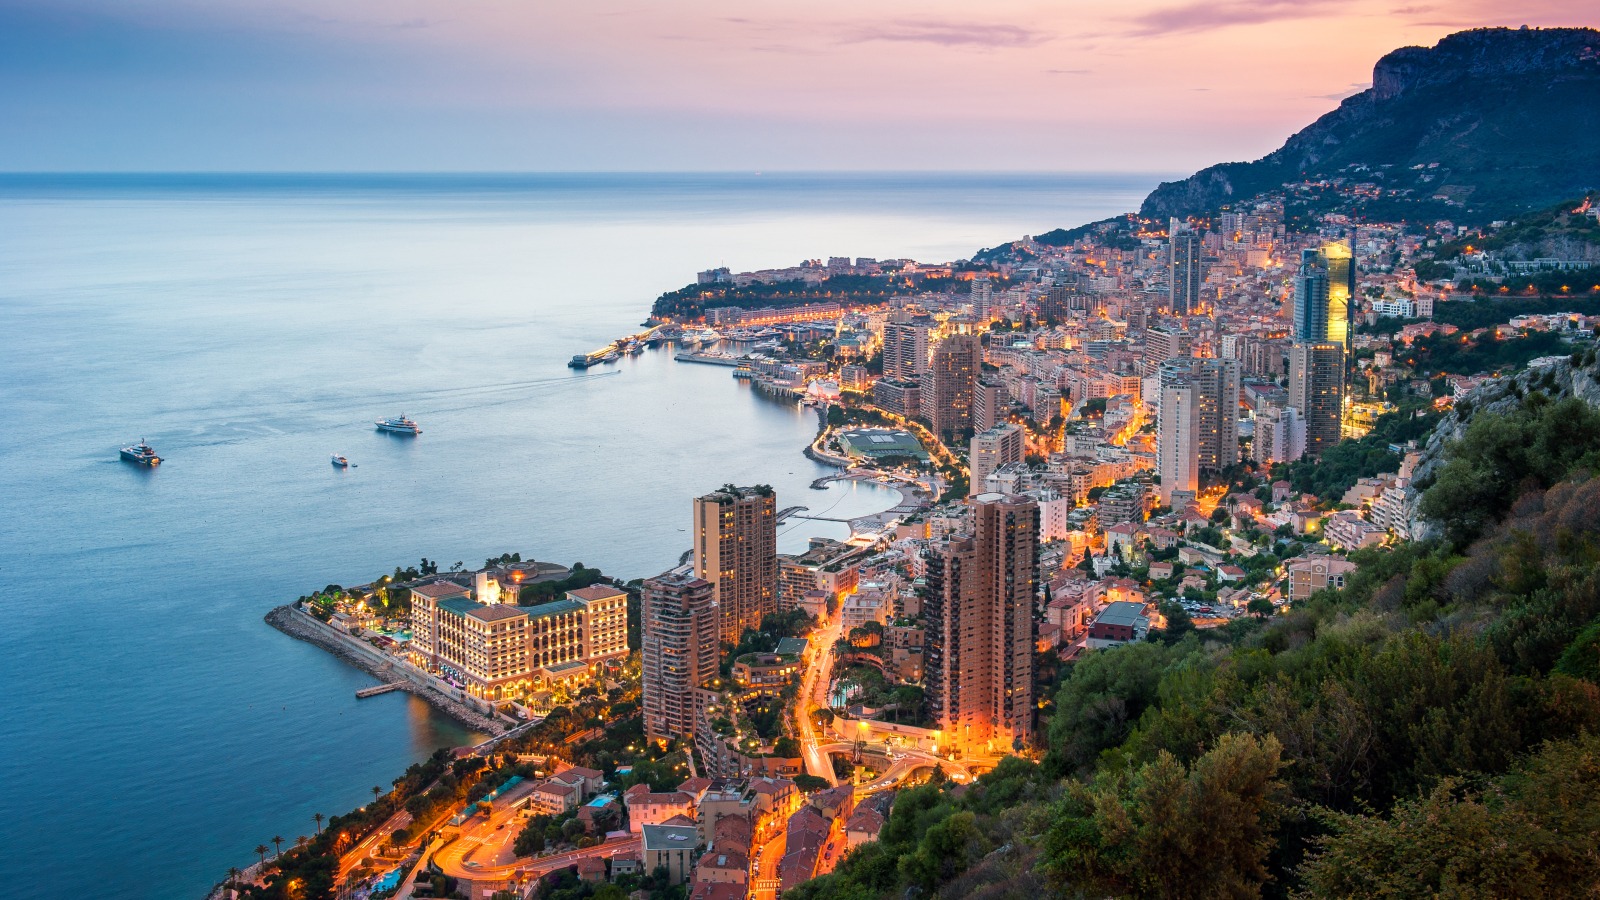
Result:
[374,691]
[710,359]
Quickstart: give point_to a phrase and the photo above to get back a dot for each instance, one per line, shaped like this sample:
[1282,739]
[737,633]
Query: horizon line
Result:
[526,172]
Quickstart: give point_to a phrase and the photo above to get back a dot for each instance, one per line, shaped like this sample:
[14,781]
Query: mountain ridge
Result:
[1484,124]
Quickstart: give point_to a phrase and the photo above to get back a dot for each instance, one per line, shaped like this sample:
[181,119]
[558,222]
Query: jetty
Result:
[374,691]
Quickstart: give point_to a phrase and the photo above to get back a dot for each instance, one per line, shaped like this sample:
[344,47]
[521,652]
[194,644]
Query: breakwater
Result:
[305,627]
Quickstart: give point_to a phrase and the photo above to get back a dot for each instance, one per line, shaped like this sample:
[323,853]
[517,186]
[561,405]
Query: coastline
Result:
[304,627]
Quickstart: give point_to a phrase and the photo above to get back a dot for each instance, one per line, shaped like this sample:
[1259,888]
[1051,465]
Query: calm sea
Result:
[152,729]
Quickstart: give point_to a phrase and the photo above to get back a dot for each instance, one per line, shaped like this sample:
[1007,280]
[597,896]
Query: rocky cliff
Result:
[1559,379]
[1498,120]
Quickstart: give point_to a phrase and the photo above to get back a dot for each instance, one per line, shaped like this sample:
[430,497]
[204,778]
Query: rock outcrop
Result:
[1557,379]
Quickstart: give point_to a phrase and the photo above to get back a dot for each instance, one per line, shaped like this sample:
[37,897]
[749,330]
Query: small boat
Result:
[142,454]
[340,461]
[399,425]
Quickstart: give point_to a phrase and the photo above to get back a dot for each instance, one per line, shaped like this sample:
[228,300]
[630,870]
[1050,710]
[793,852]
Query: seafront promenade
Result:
[301,625]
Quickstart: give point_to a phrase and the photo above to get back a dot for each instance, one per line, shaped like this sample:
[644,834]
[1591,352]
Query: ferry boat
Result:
[142,454]
[582,361]
[340,461]
[399,425]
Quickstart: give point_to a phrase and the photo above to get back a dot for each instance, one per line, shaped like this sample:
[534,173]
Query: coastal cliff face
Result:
[1558,380]
[1499,119]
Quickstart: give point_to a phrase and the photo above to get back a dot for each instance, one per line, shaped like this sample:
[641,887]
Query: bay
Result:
[152,729]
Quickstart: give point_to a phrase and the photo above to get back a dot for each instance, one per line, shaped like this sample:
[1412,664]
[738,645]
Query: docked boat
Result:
[340,461]
[142,454]
[399,425]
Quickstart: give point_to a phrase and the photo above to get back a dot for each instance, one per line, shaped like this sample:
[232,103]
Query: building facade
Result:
[978,617]
[501,650]
[1324,290]
[680,651]
[736,550]
[992,449]
[1178,440]
[955,370]
[1184,271]
[905,347]
[1316,389]
[989,399]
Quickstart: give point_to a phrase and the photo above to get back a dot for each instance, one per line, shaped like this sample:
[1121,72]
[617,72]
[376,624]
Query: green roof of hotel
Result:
[458,605]
[553,608]
[875,442]
[791,646]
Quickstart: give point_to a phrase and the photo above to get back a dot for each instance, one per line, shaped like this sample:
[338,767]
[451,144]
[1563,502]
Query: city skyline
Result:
[417,86]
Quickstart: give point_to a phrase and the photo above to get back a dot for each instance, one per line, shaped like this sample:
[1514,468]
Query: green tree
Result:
[945,851]
[1528,834]
[1502,456]
[1105,693]
[1169,831]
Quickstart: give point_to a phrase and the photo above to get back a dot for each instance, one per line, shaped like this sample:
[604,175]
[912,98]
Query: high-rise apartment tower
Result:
[736,550]
[679,650]
[978,615]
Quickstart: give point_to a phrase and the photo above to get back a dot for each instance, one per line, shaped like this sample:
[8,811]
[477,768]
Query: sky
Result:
[684,85]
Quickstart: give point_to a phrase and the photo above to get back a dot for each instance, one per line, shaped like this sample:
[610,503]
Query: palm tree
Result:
[319,817]
[233,879]
[277,843]
[301,842]
[376,793]
[261,850]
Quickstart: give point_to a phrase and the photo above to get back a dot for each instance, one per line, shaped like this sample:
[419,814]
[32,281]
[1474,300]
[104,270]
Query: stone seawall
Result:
[305,627]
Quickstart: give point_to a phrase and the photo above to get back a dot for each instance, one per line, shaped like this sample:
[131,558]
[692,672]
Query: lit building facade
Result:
[501,650]
[1178,440]
[989,399]
[1324,290]
[978,619]
[992,449]
[905,347]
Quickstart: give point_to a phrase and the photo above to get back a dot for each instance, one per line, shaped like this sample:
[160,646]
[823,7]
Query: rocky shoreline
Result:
[303,627]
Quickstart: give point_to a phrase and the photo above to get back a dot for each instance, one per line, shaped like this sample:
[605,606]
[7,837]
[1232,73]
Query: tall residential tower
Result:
[736,550]
[679,651]
[1184,275]
[948,405]
[1316,389]
[1324,293]
[978,615]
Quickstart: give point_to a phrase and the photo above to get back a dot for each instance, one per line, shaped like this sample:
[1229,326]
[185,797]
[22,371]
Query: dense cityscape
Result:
[1242,545]
[1132,433]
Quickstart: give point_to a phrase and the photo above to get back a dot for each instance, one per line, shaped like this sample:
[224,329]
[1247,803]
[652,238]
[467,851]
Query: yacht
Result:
[340,461]
[142,454]
[399,425]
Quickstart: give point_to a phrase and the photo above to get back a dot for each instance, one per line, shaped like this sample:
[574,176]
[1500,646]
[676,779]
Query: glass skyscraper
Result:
[1324,292]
